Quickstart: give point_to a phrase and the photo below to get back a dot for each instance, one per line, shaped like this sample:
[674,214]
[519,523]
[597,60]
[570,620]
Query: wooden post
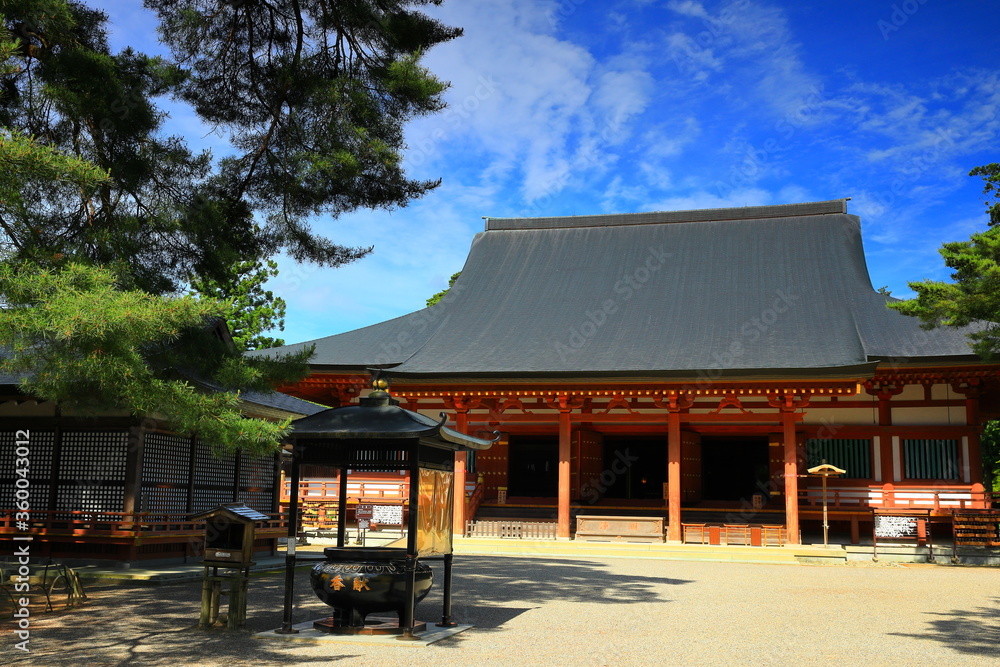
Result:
[674,476]
[458,515]
[565,451]
[209,601]
[408,619]
[791,477]
[237,617]
[293,509]
[446,621]
[787,405]
[133,469]
[888,462]
[975,463]
[884,411]
[342,509]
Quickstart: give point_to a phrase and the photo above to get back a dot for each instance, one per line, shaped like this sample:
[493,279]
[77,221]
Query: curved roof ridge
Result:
[828,207]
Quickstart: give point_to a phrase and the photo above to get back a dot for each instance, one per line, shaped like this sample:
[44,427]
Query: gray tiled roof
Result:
[273,399]
[752,290]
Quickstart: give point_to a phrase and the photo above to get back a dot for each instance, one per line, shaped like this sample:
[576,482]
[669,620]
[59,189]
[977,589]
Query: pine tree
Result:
[250,309]
[104,221]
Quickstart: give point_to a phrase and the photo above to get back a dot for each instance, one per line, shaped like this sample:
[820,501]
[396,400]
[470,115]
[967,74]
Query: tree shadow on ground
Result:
[156,626]
[974,631]
[503,579]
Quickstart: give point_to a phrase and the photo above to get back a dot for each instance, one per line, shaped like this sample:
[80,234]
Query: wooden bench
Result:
[753,535]
[619,528]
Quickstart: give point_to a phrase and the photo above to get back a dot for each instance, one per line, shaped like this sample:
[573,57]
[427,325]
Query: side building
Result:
[113,487]
[684,362]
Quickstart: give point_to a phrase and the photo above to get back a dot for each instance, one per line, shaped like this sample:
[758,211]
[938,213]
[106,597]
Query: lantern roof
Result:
[379,417]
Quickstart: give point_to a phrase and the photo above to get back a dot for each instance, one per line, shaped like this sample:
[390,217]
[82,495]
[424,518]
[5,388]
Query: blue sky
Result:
[577,107]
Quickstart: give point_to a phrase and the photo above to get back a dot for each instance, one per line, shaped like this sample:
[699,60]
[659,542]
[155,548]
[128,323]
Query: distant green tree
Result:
[974,296]
[440,295]
[250,309]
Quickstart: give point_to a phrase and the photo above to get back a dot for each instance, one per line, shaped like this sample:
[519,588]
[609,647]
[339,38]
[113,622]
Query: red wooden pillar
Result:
[791,476]
[975,462]
[675,404]
[674,476]
[565,451]
[885,452]
[565,405]
[461,405]
[458,515]
[787,405]
[883,393]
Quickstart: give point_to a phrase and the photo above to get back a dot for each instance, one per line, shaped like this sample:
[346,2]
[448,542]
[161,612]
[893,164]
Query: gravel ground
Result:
[536,611]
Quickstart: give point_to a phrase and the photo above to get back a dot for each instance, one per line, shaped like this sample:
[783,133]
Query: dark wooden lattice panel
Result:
[92,471]
[206,499]
[93,457]
[38,495]
[41,445]
[257,482]
[90,498]
[165,500]
[213,471]
[256,472]
[258,500]
[213,478]
[165,459]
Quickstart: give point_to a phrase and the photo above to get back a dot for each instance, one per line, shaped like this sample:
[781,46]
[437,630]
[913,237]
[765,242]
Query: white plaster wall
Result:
[911,392]
[939,416]
[832,416]
[942,392]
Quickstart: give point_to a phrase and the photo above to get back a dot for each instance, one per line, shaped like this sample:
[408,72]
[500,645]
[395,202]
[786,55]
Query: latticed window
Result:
[850,454]
[930,459]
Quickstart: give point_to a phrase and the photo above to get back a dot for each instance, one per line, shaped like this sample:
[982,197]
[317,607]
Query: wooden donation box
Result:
[230,531]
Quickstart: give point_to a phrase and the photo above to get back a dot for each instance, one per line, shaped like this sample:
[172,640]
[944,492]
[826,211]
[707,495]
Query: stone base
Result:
[374,625]
[306,632]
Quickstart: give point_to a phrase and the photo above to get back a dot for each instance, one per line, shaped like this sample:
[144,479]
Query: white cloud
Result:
[553,111]
[921,128]
[704,199]
[748,46]
[688,8]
